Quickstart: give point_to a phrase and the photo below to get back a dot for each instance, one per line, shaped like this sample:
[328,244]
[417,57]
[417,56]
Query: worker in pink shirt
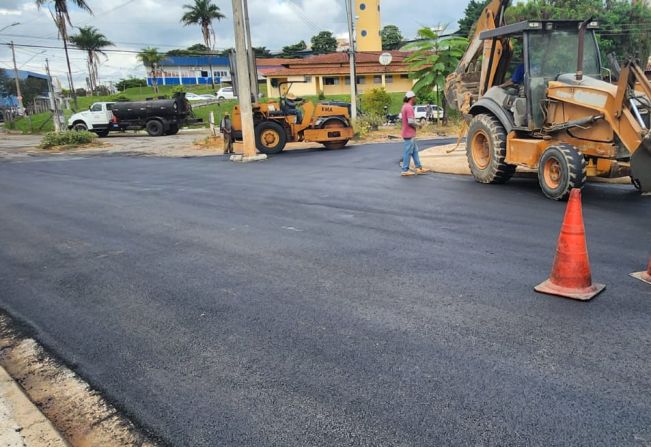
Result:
[409,135]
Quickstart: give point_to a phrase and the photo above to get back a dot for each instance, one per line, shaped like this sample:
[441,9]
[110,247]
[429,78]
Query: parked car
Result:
[420,112]
[194,97]
[225,93]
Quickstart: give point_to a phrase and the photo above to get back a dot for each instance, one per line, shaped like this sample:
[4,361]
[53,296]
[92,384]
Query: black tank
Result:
[178,107]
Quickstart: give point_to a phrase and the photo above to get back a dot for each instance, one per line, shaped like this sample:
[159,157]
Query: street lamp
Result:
[9,26]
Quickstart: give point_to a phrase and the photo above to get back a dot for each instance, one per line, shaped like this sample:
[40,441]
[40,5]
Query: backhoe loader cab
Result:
[557,115]
[276,123]
[549,51]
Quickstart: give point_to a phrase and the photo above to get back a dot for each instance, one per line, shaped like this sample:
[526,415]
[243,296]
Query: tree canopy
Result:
[470,16]
[291,50]
[624,26]
[261,52]
[324,42]
[202,13]
[391,37]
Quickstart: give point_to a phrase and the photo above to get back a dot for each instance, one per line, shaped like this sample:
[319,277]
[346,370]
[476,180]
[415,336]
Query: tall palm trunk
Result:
[206,38]
[64,35]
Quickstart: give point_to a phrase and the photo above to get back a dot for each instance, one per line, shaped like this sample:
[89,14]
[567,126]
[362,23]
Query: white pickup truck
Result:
[98,118]
[157,116]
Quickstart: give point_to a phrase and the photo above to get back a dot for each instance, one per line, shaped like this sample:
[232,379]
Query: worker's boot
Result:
[421,171]
[406,173]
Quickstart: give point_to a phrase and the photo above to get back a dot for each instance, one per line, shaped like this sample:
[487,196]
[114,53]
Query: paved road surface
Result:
[318,298]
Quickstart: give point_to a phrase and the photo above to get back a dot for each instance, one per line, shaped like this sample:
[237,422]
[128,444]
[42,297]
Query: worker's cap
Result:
[410,94]
[291,96]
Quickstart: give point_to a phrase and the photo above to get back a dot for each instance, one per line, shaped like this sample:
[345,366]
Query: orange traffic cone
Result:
[571,277]
[644,276]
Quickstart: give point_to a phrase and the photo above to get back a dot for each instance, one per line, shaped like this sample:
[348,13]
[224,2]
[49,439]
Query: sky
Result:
[135,24]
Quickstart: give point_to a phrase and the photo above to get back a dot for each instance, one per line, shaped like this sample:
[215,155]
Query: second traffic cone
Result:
[644,276]
[571,276]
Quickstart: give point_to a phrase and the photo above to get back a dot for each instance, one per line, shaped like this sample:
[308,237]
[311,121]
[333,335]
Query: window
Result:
[308,79]
[404,76]
[360,79]
[331,81]
[389,79]
[377,79]
[97,107]
[347,80]
[204,74]
[274,83]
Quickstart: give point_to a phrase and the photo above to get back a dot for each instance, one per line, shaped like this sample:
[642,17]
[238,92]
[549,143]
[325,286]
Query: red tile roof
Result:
[337,64]
[273,61]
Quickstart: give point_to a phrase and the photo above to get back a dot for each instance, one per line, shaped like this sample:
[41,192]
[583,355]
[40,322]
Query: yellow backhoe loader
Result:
[276,123]
[563,118]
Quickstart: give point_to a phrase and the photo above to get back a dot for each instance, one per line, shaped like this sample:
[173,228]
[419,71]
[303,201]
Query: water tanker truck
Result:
[157,116]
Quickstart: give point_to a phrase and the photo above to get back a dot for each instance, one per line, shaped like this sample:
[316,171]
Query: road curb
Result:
[21,423]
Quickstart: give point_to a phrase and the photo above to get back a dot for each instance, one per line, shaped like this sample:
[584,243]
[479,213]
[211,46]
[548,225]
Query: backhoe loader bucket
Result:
[641,166]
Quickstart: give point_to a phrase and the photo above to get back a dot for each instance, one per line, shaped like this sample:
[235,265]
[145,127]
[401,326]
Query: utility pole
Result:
[253,69]
[19,96]
[351,55]
[53,101]
[243,79]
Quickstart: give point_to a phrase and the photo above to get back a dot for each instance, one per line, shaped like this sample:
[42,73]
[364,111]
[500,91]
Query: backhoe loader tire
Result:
[560,169]
[486,150]
[270,137]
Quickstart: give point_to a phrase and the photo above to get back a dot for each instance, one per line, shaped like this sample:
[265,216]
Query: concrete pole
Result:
[19,96]
[253,69]
[351,52]
[243,80]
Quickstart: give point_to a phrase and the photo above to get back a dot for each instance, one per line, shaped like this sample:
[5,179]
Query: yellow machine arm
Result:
[464,84]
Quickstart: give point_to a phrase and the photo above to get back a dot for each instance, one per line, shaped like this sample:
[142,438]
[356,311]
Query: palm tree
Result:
[202,13]
[151,58]
[92,41]
[433,58]
[61,18]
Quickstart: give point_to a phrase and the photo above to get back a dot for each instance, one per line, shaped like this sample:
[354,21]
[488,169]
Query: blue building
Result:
[10,101]
[191,70]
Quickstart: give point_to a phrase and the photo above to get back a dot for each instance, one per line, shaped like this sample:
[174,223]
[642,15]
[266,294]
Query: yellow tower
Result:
[367,31]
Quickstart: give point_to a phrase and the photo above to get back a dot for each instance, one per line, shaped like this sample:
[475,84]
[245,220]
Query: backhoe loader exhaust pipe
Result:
[579,61]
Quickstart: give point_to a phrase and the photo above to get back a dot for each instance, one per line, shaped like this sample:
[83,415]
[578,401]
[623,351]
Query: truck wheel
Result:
[102,133]
[79,126]
[486,150]
[270,137]
[155,128]
[561,168]
[334,124]
[173,130]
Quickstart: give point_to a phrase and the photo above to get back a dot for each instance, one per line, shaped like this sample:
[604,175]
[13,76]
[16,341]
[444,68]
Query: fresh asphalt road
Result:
[318,298]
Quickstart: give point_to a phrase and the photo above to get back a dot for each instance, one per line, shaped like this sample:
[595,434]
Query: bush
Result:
[367,123]
[179,89]
[67,138]
[120,98]
[322,95]
[375,100]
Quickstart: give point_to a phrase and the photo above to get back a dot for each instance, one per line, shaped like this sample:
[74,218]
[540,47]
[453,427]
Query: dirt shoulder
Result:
[187,143]
[79,413]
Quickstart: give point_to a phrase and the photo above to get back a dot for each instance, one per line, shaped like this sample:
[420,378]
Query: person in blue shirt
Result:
[517,78]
